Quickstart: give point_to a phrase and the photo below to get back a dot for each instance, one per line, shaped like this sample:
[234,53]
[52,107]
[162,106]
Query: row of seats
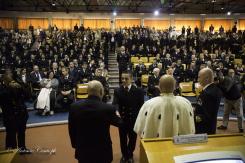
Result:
[186,88]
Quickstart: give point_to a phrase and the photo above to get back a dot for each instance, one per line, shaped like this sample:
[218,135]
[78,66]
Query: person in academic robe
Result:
[166,115]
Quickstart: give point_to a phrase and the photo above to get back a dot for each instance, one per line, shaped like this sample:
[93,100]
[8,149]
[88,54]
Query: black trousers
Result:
[65,101]
[15,127]
[127,140]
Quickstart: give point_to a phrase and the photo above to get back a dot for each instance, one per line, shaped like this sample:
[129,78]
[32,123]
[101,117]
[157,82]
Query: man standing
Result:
[230,87]
[166,115]
[208,103]
[129,99]
[89,126]
[123,62]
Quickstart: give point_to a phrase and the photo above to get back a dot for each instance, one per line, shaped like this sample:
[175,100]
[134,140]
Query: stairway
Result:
[113,72]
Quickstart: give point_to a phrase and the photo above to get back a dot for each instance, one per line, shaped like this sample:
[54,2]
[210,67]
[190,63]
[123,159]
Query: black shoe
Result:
[222,127]
[123,160]
[131,160]
[23,151]
[241,130]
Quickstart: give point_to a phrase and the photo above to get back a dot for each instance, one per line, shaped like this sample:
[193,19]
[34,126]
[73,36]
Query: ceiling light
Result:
[156,12]
[222,8]
[228,13]
[114,13]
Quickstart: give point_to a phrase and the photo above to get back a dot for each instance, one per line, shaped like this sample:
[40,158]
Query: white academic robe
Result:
[165,116]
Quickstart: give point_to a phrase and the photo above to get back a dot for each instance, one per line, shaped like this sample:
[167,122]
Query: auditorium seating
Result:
[186,89]
[82,91]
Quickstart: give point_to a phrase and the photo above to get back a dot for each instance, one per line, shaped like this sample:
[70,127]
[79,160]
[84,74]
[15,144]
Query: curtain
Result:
[241,24]
[97,23]
[226,23]
[192,23]
[65,23]
[121,23]
[24,23]
[6,23]
[157,24]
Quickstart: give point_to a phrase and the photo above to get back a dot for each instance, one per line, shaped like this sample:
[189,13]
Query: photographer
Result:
[231,88]
[15,115]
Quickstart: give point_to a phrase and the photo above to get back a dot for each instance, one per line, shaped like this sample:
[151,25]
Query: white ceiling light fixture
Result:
[228,13]
[156,12]
[114,13]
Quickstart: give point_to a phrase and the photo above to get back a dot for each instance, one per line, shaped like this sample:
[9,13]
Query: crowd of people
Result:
[52,63]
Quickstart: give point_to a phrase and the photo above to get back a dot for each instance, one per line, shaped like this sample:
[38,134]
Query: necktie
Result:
[126,89]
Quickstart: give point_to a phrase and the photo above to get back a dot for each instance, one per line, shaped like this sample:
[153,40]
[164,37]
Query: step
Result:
[114,72]
[114,57]
[112,66]
[114,76]
[113,82]
[113,69]
[113,86]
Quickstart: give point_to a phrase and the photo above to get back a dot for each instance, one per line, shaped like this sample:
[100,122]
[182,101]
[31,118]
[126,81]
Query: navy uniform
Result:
[66,84]
[129,101]
[15,114]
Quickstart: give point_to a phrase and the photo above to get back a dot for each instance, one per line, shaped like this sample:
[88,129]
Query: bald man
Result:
[208,103]
[89,126]
[166,115]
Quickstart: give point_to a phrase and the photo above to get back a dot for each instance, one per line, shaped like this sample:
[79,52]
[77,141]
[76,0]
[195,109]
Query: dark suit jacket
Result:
[152,82]
[89,129]
[129,103]
[34,79]
[207,109]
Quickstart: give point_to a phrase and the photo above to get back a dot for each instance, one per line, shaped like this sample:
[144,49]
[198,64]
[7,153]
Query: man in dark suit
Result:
[35,77]
[208,103]
[129,99]
[123,62]
[65,93]
[153,83]
[89,126]
[84,74]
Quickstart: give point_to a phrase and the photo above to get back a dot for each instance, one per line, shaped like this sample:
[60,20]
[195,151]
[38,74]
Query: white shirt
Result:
[207,86]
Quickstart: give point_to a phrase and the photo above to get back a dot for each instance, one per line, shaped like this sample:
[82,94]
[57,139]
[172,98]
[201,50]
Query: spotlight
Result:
[228,13]
[114,13]
[156,12]
[222,8]
[53,4]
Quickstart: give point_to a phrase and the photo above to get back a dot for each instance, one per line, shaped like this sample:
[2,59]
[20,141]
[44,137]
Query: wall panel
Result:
[158,24]
[24,23]
[121,23]
[226,23]
[241,24]
[6,23]
[65,23]
[192,23]
[97,23]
